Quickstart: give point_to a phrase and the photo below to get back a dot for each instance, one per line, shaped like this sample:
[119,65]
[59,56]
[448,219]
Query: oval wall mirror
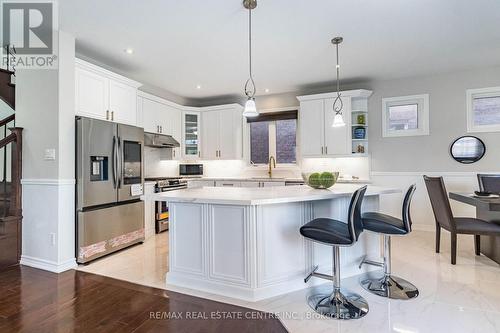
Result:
[467,149]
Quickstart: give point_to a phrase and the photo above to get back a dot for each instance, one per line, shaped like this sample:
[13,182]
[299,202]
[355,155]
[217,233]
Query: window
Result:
[483,110]
[405,116]
[259,142]
[274,135]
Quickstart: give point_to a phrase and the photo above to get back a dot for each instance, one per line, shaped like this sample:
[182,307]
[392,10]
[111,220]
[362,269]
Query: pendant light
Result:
[250,89]
[338,119]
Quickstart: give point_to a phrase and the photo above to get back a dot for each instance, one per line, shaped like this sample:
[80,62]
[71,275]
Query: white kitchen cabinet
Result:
[150,112]
[311,120]
[191,135]
[200,183]
[250,184]
[337,139]
[222,129]
[175,127]
[123,103]
[159,116]
[273,184]
[149,211]
[91,95]
[226,183]
[317,136]
[211,133]
[102,94]
[262,183]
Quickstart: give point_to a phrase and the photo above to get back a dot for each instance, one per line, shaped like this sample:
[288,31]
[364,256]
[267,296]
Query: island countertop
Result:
[262,196]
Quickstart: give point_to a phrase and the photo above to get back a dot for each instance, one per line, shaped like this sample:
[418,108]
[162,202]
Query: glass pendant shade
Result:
[338,120]
[250,109]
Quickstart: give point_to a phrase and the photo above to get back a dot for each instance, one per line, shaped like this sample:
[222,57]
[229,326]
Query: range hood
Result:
[160,141]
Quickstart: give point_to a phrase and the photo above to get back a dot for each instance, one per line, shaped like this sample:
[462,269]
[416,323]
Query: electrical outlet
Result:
[50,154]
[52,239]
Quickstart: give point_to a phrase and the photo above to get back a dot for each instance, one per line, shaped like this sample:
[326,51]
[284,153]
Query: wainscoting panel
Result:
[421,210]
[228,244]
[187,257]
[48,231]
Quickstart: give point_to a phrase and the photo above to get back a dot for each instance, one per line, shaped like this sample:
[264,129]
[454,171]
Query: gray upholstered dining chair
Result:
[455,225]
[489,183]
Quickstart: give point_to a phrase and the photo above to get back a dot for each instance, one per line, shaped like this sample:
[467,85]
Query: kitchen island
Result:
[245,242]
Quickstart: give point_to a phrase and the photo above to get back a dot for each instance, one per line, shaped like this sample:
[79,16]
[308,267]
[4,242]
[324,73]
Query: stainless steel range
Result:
[162,214]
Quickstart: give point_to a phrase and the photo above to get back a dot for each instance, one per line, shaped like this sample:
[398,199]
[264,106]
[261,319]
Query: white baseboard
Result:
[49,182]
[48,265]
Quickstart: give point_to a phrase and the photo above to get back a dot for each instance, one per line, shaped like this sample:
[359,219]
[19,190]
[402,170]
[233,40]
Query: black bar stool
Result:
[388,285]
[340,304]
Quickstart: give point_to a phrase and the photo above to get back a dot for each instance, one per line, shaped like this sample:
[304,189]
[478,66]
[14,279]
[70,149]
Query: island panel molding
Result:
[189,257]
[281,255]
[228,240]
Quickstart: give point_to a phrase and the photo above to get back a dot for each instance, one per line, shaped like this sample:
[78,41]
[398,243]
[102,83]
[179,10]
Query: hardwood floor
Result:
[33,300]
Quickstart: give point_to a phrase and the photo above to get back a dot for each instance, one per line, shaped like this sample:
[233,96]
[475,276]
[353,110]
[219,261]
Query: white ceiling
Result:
[179,44]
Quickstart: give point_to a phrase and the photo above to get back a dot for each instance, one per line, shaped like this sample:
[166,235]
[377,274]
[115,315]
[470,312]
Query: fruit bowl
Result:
[320,179]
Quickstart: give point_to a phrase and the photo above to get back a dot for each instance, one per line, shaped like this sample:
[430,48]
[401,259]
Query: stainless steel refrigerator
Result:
[109,183]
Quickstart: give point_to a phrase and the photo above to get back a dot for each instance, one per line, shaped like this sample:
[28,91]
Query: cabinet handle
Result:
[326,150]
[161,129]
[173,150]
[199,153]
[107,114]
[321,150]
[112,115]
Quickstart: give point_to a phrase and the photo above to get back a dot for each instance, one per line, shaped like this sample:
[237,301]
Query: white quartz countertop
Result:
[262,196]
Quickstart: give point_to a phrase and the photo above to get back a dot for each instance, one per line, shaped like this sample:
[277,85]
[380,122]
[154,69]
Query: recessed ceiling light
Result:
[198,86]
[267,90]
[128,51]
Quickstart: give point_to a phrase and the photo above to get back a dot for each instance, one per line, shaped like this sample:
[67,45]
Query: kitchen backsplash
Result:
[158,164]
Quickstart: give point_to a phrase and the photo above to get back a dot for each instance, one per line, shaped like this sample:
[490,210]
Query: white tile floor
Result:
[461,298]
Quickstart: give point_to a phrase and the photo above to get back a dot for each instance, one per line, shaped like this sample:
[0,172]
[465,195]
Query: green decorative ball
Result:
[314,180]
[327,179]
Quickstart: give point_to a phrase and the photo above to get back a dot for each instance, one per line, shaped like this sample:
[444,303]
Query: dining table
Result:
[487,209]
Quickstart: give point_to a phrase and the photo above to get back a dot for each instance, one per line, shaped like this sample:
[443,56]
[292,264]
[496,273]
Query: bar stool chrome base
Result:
[341,304]
[389,286]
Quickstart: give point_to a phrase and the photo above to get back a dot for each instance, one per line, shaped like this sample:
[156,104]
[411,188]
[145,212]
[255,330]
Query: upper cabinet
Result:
[222,132]
[102,94]
[317,136]
[160,116]
[191,135]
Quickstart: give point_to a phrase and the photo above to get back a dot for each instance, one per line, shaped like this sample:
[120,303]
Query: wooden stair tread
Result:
[3,70]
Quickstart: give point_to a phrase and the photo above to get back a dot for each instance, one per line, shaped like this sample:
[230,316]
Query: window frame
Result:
[471,94]
[272,142]
[422,102]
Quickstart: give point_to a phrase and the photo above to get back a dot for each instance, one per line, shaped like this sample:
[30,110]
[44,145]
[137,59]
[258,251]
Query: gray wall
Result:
[37,111]
[447,122]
